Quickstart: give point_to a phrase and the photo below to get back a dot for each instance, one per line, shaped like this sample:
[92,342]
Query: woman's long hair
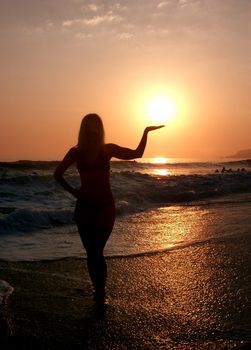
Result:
[91,136]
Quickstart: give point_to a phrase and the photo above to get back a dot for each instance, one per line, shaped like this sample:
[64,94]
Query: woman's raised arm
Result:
[127,153]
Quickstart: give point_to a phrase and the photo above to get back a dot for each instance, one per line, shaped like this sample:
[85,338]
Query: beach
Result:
[195,297]
[179,262]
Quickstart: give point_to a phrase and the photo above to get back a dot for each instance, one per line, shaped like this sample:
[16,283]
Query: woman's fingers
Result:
[154,127]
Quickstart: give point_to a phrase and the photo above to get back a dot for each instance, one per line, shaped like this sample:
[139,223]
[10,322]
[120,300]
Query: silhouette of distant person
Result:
[95,210]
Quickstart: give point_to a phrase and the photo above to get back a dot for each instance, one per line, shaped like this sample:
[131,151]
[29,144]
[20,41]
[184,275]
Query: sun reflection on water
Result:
[162,163]
[163,228]
[162,172]
[177,226]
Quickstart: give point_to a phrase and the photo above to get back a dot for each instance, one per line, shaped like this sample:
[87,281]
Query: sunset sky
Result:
[61,59]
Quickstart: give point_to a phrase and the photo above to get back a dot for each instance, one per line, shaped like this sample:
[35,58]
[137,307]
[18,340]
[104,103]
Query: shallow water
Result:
[159,206]
[146,232]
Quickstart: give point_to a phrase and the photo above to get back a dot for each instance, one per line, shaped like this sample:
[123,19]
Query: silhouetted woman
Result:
[95,209]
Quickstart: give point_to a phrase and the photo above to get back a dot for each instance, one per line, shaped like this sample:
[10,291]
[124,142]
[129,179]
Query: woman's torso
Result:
[95,176]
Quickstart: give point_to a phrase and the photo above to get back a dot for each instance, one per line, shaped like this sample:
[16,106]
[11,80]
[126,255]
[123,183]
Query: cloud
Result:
[118,7]
[68,23]
[162,4]
[108,17]
[180,20]
[93,7]
[185,2]
[84,36]
[124,36]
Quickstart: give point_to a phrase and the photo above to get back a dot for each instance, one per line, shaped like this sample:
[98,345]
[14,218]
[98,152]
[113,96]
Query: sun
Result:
[160,109]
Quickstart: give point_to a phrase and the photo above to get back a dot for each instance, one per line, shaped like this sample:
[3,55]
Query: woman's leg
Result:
[95,227]
[97,270]
[97,267]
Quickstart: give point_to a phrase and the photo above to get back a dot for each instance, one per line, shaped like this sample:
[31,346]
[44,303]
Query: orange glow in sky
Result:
[182,63]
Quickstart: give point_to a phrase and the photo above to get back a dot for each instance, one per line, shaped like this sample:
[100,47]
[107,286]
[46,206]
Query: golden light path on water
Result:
[161,161]
[175,226]
[162,228]
[171,226]
[162,172]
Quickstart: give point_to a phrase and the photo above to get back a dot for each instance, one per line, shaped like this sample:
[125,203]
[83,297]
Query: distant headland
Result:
[242,154]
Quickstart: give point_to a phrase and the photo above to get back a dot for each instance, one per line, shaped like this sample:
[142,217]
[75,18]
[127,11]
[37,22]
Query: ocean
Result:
[161,204]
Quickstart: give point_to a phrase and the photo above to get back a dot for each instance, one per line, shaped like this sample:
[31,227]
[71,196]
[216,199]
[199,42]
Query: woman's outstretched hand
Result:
[151,128]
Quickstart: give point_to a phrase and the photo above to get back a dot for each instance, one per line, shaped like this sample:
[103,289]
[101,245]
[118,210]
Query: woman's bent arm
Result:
[68,160]
[127,153]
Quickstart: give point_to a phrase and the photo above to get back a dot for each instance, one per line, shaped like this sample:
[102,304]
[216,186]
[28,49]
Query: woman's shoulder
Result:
[109,148]
[73,152]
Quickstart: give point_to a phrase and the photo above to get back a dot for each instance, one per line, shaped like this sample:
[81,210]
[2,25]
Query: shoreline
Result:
[195,297]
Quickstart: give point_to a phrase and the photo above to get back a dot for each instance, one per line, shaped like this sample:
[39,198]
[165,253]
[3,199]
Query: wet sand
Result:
[196,297]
